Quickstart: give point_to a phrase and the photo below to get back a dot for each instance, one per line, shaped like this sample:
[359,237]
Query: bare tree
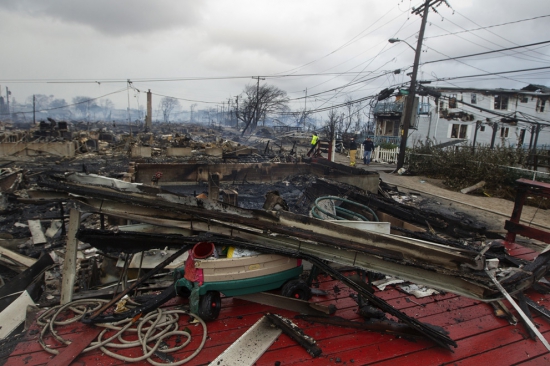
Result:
[167,105]
[41,101]
[353,119]
[106,107]
[259,102]
[192,108]
[331,126]
[84,105]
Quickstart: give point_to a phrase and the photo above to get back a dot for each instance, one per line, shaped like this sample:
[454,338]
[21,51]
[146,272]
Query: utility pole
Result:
[34,109]
[305,109]
[129,121]
[237,112]
[412,90]
[149,118]
[256,112]
[8,101]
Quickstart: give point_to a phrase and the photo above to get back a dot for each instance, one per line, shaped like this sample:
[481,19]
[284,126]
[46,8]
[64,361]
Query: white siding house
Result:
[507,117]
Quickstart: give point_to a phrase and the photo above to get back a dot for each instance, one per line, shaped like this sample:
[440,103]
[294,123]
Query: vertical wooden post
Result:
[521,196]
[69,265]
[214,187]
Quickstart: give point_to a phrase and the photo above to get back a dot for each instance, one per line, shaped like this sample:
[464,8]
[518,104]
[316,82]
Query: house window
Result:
[474,98]
[523,99]
[452,101]
[504,132]
[521,137]
[441,104]
[501,102]
[540,105]
[481,128]
[458,131]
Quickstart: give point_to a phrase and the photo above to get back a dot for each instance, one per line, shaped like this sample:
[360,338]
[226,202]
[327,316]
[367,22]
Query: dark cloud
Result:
[116,18]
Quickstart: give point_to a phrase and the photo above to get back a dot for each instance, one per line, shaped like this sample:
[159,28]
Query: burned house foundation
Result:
[252,173]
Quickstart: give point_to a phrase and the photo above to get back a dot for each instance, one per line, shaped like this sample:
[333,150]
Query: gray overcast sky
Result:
[106,40]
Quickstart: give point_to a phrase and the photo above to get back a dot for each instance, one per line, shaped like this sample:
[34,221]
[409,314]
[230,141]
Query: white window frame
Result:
[500,104]
[461,126]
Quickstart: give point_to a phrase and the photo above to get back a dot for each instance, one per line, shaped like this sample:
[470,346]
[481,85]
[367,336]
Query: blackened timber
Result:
[431,264]
[373,325]
[129,242]
[310,229]
[291,330]
[23,280]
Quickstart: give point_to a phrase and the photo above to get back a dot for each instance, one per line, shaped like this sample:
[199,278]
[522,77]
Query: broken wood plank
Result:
[17,258]
[473,188]
[67,355]
[250,346]
[69,265]
[22,281]
[38,236]
[15,314]
[287,303]
[292,330]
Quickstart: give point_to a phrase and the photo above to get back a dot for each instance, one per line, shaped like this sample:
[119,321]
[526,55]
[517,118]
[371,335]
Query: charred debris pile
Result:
[123,204]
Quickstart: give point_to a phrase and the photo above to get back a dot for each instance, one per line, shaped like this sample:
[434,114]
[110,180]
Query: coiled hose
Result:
[154,327]
[341,213]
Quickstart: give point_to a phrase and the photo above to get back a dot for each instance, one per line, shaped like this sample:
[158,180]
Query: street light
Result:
[395,40]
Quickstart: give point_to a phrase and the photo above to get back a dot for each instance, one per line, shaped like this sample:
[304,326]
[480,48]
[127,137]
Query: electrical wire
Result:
[514,53]
[495,34]
[485,53]
[487,27]
[352,40]
[68,105]
[494,43]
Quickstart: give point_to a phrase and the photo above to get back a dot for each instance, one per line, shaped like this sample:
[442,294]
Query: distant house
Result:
[450,115]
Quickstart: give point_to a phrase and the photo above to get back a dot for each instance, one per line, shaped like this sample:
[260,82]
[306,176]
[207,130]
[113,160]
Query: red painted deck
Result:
[482,338]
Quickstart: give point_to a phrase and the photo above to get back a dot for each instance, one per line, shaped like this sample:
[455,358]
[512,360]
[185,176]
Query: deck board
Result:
[482,338]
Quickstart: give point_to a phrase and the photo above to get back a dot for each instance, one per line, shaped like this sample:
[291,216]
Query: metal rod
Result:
[526,319]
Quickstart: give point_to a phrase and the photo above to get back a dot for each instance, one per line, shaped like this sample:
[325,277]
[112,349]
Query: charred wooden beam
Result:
[292,330]
[373,325]
[439,266]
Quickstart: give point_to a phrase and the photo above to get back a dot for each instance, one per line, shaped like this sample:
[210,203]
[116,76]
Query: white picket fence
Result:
[381,155]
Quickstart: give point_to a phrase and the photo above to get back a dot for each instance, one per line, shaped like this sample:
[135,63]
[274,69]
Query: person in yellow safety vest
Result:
[314,142]
[352,151]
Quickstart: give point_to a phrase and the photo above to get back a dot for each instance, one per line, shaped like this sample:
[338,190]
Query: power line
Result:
[69,105]
[531,59]
[485,39]
[474,67]
[490,73]
[485,53]
[351,40]
[487,27]
[107,81]
[187,100]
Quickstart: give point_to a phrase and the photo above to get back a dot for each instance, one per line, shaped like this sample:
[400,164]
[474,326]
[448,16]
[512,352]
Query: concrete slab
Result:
[179,151]
[141,151]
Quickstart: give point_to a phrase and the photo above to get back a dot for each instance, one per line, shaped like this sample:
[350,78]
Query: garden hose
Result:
[156,327]
[341,213]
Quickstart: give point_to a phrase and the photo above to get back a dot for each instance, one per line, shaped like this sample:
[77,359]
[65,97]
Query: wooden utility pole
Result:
[237,112]
[257,107]
[149,118]
[8,101]
[34,108]
[424,9]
